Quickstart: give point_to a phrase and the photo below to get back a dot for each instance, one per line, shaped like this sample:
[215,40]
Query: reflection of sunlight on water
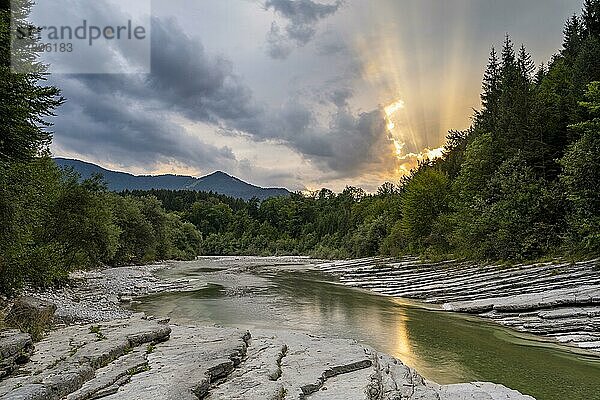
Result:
[404,349]
[386,325]
[448,367]
[402,346]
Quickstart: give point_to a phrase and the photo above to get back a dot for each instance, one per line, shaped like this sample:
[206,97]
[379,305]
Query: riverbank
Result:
[557,301]
[136,356]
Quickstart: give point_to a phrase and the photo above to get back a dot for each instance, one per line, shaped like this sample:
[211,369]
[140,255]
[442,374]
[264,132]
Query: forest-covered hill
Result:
[217,182]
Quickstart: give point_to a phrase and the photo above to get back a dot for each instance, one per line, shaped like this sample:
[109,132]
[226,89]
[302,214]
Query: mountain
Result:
[217,182]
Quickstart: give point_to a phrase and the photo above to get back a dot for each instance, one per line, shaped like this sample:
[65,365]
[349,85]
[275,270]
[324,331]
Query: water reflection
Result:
[402,344]
[444,347]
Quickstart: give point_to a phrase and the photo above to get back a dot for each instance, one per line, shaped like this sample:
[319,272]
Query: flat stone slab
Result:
[138,358]
[68,358]
[258,376]
[584,295]
[108,379]
[184,367]
[294,365]
[311,361]
[478,391]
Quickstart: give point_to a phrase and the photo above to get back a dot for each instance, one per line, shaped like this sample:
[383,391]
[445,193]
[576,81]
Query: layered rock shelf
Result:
[140,358]
[560,301]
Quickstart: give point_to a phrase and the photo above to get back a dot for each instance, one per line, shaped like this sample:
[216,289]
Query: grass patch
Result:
[138,370]
[95,329]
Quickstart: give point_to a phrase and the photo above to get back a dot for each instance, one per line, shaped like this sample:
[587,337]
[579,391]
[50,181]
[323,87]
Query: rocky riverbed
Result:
[100,349]
[140,358]
[559,301]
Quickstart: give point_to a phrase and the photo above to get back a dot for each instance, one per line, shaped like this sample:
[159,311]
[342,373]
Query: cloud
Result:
[140,120]
[342,144]
[302,17]
[278,45]
[131,118]
[200,86]
[361,141]
[340,96]
[331,47]
[124,130]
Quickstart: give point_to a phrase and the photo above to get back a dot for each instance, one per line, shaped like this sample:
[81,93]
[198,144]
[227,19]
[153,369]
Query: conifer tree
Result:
[581,178]
[525,63]
[490,95]
[540,74]
[26,104]
[491,83]
[591,17]
[573,36]
[509,62]
[507,130]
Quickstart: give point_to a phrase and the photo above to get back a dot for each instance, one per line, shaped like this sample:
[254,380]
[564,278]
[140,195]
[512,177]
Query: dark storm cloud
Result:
[292,124]
[349,143]
[302,13]
[359,143]
[111,128]
[202,87]
[278,45]
[331,48]
[302,17]
[340,96]
[128,116]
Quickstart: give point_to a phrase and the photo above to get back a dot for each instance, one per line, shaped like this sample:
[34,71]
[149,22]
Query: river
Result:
[443,347]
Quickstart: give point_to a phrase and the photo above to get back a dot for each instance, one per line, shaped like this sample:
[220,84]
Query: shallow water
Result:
[443,347]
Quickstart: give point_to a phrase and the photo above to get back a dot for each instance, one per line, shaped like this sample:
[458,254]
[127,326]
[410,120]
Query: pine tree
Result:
[491,83]
[591,17]
[541,73]
[525,63]
[25,103]
[512,129]
[573,36]
[581,179]
[509,62]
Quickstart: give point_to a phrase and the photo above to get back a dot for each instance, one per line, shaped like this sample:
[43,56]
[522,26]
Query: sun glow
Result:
[393,108]
[389,111]
[421,95]
[406,161]
[433,153]
[398,146]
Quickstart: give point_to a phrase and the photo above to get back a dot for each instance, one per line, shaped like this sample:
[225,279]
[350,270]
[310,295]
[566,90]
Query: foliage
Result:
[27,193]
[82,224]
[25,104]
[50,221]
[52,224]
[581,179]
[424,199]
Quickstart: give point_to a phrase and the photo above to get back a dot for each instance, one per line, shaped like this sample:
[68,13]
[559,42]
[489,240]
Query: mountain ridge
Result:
[218,181]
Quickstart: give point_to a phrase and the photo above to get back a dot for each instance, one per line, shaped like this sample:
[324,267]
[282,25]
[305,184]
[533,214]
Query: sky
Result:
[297,93]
